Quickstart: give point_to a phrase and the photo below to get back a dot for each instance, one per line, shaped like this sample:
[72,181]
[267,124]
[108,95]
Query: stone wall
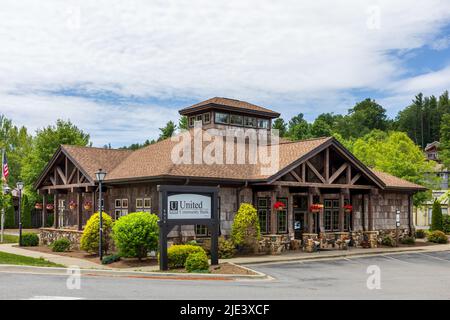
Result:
[48,235]
[385,205]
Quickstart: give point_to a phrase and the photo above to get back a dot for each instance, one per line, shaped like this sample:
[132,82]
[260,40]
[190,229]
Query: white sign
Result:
[189,206]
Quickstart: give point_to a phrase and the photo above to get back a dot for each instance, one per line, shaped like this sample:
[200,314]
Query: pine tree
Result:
[436,218]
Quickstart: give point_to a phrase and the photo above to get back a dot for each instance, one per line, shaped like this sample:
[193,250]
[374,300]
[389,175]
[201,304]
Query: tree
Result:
[364,117]
[245,231]
[444,147]
[183,124]
[436,217]
[321,128]
[45,144]
[395,153]
[167,131]
[281,126]
[298,128]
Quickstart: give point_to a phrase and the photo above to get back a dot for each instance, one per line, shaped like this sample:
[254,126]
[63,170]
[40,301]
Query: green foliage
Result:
[9,258]
[136,234]
[281,126]
[436,217]
[446,223]
[245,230]
[364,117]
[408,240]
[444,147]
[111,259]
[30,239]
[298,128]
[167,131]
[183,124]
[90,238]
[197,262]
[226,248]
[61,245]
[177,254]
[420,234]
[437,237]
[388,241]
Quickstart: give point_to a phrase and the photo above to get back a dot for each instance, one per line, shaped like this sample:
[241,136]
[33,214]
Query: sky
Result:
[120,70]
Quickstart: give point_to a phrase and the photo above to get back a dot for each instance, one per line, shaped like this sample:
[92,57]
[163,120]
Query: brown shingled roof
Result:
[391,181]
[238,105]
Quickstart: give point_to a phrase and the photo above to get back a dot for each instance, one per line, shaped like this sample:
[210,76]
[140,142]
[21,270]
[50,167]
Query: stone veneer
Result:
[48,235]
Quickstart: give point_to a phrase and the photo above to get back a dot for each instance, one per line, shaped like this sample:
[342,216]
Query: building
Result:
[315,171]
[423,213]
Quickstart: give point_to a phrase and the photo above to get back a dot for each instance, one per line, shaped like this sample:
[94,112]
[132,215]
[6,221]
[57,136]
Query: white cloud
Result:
[293,56]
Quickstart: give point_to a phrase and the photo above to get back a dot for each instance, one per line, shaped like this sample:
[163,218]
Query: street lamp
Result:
[5,190]
[20,188]
[100,175]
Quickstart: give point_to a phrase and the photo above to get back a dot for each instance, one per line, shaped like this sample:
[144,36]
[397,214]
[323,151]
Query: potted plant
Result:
[279,206]
[50,207]
[39,206]
[72,205]
[316,207]
[348,208]
[88,205]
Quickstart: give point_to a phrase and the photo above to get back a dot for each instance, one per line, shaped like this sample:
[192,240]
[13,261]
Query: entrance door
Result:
[300,214]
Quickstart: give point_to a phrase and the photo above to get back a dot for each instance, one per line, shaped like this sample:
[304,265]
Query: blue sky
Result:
[121,69]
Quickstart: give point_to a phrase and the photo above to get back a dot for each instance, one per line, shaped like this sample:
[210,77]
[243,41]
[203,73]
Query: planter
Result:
[39,206]
[72,205]
[49,207]
[88,206]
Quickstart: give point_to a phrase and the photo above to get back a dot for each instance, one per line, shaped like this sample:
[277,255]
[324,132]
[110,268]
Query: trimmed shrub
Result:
[437,237]
[90,238]
[197,262]
[446,223]
[388,241]
[177,254]
[60,245]
[420,234]
[30,239]
[226,248]
[436,217]
[408,240]
[245,231]
[136,234]
[111,259]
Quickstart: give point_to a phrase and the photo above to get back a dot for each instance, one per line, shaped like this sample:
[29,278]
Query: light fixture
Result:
[100,175]
[20,185]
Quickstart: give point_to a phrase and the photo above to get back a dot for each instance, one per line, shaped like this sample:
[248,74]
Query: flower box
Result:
[88,205]
[316,208]
[50,207]
[348,208]
[279,206]
[39,206]
[72,205]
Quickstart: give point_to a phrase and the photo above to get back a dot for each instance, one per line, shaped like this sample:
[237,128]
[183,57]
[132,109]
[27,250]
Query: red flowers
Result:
[72,205]
[49,207]
[38,206]
[348,208]
[316,207]
[279,205]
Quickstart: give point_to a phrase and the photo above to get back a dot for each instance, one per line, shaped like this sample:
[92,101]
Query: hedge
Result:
[177,254]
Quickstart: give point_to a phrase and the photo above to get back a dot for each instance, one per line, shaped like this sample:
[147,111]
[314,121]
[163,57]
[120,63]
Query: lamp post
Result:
[20,188]
[100,175]
[5,190]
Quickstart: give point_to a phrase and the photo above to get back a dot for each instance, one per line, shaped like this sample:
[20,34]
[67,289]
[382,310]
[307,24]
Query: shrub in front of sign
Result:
[226,248]
[30,240]
[245,231]
[61,245]
[177,254]
[437,237]
[111,259]
[136,234]
[388,241]
[90,238]
[197,262]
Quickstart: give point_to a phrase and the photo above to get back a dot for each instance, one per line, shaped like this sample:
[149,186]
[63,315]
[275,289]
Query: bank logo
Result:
[173,205]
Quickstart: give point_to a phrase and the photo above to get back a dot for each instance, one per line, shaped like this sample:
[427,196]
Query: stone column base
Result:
[310,241]
[372,238]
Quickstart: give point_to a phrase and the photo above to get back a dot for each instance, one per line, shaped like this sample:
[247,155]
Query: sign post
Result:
[188,205]
[397,226]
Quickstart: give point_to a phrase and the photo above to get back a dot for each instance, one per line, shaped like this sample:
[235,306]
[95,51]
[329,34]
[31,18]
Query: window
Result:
[331,215]
[120,209]
[263,123]
[236,119]
[118,203]
[222,118]
[250,122]
[282,217]
[117,214]
[139,203]
[191,121]
[124,203]
[201,230]
[264,214]
[199,118]
[206,118]
[147,203]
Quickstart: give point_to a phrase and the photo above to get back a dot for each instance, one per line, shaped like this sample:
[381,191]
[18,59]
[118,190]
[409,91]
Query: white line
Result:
[54,298]
[389,257]
[437,258]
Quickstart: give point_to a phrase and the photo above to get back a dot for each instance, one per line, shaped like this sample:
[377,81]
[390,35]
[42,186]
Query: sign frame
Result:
[166,225]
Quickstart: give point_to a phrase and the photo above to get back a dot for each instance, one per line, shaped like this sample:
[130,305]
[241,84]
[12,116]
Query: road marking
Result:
[437,258]
[54,298]
[391,258]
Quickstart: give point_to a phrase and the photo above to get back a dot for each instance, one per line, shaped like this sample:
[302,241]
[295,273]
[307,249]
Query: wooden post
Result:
[291,216]
[310,215]
[44,209]
[80,210]
[341,211]
[56,211]
[273,214]
[321,215]
[370,213]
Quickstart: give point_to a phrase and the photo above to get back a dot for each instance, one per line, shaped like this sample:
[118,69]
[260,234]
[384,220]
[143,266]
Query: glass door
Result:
[300,216]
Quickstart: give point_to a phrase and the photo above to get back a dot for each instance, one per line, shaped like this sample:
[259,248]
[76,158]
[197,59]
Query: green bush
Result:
[245,231]
[61,245]
[136,234]
[437,237]
[226,248]
[30,239]
[111,259]
[388,241]
[90,238]
[197,262]
[408,240]
[49,221]
[420,234]
[436,217]
[177,254]
[446,223]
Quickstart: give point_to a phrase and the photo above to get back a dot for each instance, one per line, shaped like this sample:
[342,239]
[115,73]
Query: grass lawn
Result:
[7,238]
[9,258]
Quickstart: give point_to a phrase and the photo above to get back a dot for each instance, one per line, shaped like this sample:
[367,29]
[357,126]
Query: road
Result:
[402,276]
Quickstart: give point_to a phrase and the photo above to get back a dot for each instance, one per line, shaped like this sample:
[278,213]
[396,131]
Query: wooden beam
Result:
[53,181]
[349,174]
[303,172]
[355,178]
[315,171]
[67,186]
[327,164]
[296,176]
[337,173]
[61,174]
[313,184]
[72,175]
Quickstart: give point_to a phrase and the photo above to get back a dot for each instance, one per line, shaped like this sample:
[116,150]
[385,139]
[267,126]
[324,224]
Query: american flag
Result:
[5,168]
